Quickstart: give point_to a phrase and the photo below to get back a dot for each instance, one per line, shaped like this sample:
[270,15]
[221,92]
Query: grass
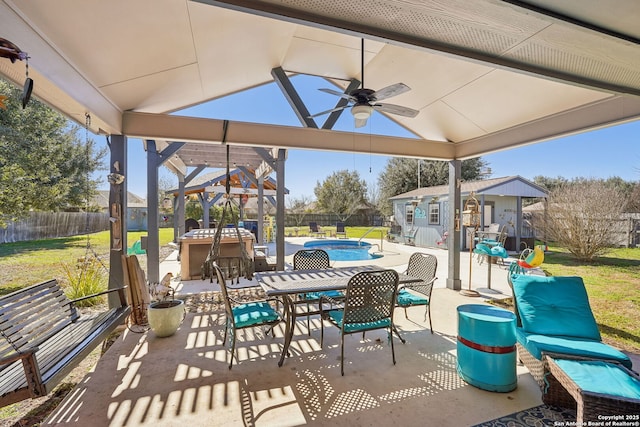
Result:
[28,263]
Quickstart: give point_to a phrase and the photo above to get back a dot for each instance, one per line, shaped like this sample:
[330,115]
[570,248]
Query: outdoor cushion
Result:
[317,295]
[600,377]
[253,313]
[537,344]
[556,305]
[407,298]
[336,316]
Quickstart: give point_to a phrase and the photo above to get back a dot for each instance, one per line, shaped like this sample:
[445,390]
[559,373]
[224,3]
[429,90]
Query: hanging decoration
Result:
[13,53]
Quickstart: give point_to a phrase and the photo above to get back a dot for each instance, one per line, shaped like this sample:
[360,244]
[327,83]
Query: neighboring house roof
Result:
[101,200]
[505,186]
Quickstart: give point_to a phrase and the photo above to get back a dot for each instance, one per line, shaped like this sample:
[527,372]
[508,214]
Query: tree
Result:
[582,216]
[297,207]
[401,175]
[342,193]
[45,164]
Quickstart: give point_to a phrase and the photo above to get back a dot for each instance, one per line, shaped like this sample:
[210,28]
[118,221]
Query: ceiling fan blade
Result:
[336,93]
[328,111]
[396,109]
[389,91]
[361,123]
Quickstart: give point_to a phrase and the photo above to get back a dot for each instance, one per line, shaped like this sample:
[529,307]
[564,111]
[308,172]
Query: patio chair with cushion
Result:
[242,315]
[553,315]
[368,305]
[423,266]
[340,231]
[311,259]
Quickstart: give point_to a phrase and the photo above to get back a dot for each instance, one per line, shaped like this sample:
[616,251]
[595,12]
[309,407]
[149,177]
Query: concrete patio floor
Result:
[184,379]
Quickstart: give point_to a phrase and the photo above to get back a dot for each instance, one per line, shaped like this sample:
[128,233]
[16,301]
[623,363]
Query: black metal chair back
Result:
[368,305]
[310,259]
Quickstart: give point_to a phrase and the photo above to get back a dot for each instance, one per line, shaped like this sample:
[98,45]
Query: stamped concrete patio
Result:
[184,379]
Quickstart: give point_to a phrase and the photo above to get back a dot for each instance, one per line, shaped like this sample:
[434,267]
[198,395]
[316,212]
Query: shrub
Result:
[86,277]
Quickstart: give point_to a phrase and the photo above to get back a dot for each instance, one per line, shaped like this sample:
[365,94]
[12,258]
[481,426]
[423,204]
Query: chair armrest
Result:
[7,360]
[120,290]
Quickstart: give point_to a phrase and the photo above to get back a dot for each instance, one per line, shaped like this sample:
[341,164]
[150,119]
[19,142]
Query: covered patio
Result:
[484,77]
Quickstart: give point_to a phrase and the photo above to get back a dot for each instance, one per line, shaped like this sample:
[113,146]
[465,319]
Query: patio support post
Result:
[280,212]
[153,238]
[118,148]
[455,216]
[518,224]
[260,236]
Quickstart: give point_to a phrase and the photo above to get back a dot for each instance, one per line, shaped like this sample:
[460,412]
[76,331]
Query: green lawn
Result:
[27,263]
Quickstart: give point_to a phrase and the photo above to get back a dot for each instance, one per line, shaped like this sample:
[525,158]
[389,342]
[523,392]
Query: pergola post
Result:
[260,236]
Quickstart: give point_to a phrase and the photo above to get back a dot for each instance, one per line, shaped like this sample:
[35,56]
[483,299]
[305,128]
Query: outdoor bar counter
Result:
[195,246]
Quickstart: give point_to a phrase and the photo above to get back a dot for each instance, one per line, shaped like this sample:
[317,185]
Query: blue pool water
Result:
[344,250]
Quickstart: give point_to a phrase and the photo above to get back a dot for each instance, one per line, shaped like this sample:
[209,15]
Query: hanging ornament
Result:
[13,53]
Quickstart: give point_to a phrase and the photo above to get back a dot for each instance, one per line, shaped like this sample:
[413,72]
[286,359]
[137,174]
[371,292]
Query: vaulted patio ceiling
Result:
[486,75]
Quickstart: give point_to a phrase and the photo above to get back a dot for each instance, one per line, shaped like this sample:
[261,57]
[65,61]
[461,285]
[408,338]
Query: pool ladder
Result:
[374,228]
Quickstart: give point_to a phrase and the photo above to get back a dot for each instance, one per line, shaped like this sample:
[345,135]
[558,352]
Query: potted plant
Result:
[165,315]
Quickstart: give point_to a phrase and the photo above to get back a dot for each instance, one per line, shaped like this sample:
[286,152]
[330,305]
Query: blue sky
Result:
[603,153]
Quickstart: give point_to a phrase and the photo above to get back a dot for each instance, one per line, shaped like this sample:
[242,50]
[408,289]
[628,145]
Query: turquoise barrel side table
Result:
[487,347]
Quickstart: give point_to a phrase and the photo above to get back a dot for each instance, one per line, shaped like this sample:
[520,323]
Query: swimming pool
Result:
[344,250]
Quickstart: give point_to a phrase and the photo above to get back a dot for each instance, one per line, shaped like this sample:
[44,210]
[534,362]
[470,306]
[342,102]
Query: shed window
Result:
[434,213]
[408,213]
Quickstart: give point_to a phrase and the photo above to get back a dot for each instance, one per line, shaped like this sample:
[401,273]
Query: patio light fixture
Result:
[362,112]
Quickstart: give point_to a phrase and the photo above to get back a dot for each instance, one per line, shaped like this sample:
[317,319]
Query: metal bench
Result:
[43,338]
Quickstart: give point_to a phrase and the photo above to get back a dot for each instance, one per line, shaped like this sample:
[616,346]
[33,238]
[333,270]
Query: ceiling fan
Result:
[364,101]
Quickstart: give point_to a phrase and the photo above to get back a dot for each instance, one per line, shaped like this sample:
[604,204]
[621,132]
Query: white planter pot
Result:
[165,317]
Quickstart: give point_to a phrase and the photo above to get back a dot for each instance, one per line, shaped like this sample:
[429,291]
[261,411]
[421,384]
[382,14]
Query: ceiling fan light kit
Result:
[362,112]
[364,101]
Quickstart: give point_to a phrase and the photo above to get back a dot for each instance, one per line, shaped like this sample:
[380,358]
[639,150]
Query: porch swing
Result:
[239,262]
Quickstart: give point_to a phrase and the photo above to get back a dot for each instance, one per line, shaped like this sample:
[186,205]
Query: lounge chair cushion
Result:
[253,313]
[536,344]
[556,305]
[407,298]
[589,375]
[337,315]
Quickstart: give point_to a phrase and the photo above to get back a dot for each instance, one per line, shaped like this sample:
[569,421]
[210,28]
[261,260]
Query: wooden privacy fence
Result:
[47,225]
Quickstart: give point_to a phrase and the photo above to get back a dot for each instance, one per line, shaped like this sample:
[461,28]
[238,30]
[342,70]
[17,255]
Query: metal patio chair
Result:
[423,266]
[242,315]
[368,305]
[311,259]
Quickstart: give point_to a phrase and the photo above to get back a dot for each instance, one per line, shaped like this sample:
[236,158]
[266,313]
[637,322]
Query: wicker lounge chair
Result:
[340,231]
[553,315]
[315,230]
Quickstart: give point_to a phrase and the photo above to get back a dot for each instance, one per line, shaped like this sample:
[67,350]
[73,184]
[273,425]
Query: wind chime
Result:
[13,53]
[471,220]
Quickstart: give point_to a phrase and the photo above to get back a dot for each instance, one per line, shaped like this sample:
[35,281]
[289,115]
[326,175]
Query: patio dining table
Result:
[288,284]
